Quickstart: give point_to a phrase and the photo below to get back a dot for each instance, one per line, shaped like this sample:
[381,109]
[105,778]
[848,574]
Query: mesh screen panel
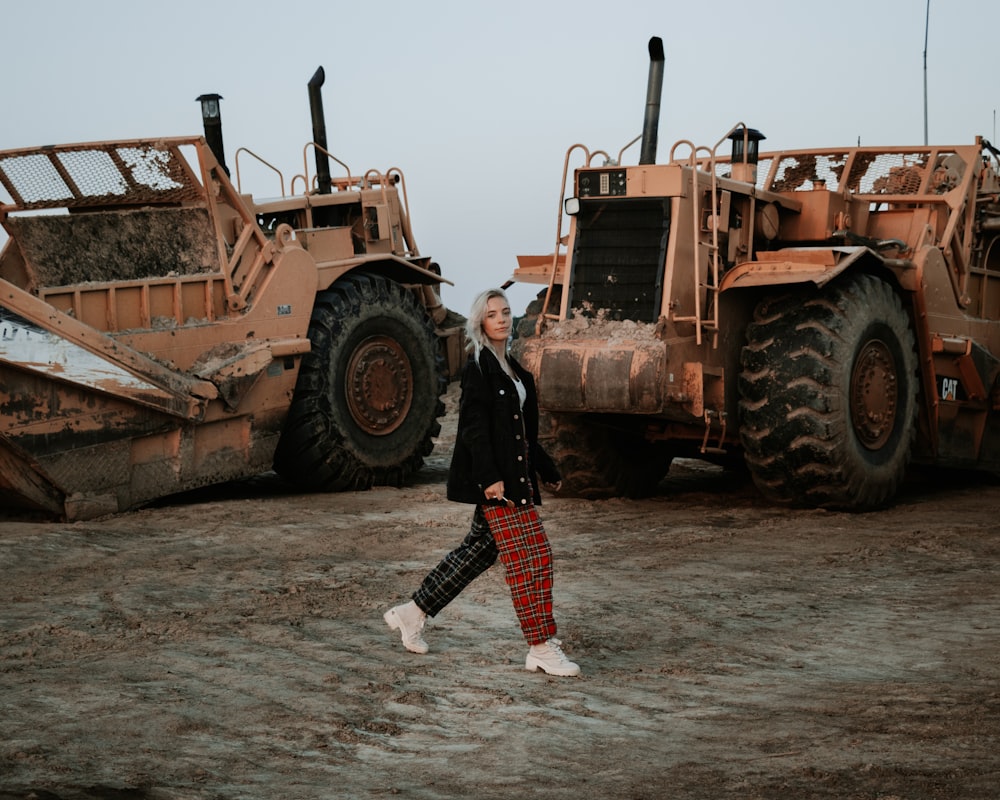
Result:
[870,173]
[618,258]
[91,175]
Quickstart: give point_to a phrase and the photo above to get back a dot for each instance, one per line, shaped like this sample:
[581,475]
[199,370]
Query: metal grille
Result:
[807,171]
[618,259]
[929,171]
[887,173]
[869,172]
[142,173]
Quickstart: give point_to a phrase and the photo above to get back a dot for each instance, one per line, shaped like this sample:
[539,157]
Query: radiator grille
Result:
[618,259]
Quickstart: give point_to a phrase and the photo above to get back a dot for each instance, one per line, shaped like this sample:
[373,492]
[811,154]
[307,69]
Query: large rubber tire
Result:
[828,395]
[601,458]
[368,397]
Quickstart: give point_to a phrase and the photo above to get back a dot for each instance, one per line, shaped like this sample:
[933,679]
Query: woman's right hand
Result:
[494,491]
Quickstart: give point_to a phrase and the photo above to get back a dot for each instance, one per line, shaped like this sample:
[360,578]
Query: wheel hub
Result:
[379,385]
[874,395]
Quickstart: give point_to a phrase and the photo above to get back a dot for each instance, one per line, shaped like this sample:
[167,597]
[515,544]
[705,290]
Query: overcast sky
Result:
[478,102]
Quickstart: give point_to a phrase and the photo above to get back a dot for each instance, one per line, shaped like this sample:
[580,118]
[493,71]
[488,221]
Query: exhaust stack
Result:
[323,181]
[211,119]
[654,90]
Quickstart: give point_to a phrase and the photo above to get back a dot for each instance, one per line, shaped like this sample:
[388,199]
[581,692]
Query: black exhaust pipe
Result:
[211,120]
[654,90]
[324,183]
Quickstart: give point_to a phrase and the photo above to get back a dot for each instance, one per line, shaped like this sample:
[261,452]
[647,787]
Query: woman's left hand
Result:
[553,487]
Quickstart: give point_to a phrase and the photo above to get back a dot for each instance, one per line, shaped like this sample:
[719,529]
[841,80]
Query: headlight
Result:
[572,205]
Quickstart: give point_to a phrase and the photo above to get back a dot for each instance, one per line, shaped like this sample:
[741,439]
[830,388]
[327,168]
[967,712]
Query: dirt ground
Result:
[230,644]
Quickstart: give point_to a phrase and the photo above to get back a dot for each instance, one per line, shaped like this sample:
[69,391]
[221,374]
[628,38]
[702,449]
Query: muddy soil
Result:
[230,644]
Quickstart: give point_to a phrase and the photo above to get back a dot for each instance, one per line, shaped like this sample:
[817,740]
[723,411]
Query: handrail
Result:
[595,154]
[240,279]
[626,147]
[696,224]
[712,281]
[544,313]
[408,237]
[715,224]
[239,185]
[305,162]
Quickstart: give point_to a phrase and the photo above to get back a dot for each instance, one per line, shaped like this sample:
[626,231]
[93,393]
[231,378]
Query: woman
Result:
[494,464]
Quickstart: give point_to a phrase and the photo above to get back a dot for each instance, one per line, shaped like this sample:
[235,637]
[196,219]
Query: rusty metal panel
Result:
[793,265]
[34,349]
[692,385]
[39,339]
[539,269]
[63,249]
[22,483]
[558,381]
[592,375]
[99,469]
[607,379]
[649,362]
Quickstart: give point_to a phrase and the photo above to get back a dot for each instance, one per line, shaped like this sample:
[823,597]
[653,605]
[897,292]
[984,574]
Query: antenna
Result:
[927,26]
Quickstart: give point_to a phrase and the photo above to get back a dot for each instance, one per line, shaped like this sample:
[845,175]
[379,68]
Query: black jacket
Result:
[492,429]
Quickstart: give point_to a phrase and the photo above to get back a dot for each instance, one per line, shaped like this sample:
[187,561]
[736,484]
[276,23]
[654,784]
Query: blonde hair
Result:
[474,324]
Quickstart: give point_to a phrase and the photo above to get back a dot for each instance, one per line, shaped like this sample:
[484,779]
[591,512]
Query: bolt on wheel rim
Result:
[874,395]
[379,385]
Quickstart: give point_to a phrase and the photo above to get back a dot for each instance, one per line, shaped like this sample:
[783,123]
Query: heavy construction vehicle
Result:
[828,316]
[160,330]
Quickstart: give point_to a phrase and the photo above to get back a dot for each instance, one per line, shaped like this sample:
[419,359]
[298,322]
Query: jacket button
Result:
[520,458]
[515,416]
[502,391]
[522,480]
[518,437]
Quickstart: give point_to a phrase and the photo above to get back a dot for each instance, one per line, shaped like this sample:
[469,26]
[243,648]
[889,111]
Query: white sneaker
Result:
[409,620]
[550,658]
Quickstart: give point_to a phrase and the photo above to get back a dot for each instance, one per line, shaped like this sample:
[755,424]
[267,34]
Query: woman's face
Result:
[497,322]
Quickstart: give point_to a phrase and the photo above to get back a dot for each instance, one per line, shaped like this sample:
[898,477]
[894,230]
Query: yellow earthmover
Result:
[826,316]
[160,330]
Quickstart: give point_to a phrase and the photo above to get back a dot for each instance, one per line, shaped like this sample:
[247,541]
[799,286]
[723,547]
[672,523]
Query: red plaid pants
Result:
[527,559]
